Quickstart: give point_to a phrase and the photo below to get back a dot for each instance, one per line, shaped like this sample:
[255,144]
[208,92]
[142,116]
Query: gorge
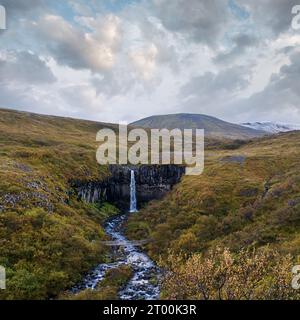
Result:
[125,187]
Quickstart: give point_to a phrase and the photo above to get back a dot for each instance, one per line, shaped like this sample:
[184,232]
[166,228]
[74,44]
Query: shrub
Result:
[221,275]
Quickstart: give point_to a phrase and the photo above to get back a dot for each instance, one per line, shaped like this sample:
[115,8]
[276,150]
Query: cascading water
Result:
[145,282]
[133,207]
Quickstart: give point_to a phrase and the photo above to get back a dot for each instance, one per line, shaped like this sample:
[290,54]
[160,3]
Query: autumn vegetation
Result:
[231,233]
[220,274]
[247,197]
[48,237]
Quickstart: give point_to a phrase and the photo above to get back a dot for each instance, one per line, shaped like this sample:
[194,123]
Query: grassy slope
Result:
[47,237]
[233,203]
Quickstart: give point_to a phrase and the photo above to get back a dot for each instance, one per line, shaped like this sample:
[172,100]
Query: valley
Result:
[59,209]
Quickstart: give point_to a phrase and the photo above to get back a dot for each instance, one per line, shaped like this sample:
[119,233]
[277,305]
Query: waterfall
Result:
[132,193]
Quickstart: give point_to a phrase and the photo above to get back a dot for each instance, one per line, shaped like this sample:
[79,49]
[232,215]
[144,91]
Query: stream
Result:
[144,283]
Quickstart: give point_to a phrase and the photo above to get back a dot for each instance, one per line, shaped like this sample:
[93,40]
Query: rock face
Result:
[152,182]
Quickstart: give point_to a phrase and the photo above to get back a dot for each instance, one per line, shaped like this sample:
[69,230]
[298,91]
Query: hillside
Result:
[213,127]
[249,194]
[48,237]
[246,197]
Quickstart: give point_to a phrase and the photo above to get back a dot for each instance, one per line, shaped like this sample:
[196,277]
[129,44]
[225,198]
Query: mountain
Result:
[213,127]
[247,196]
[271,127]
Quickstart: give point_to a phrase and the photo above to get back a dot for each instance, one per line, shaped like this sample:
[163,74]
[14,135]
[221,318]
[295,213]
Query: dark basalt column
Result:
[152,182]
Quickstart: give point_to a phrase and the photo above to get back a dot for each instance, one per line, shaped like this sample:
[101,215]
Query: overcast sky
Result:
[122,60]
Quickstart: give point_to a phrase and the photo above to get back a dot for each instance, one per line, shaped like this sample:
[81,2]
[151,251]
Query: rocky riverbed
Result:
[144,285]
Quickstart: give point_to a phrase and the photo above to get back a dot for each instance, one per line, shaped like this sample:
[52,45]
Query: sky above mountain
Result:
[122,60]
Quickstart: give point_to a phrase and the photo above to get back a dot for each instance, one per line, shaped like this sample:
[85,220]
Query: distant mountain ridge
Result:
[272,127]
[213,127]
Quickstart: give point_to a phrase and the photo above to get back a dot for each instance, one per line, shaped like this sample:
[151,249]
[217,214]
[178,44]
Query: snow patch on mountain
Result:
[272,127]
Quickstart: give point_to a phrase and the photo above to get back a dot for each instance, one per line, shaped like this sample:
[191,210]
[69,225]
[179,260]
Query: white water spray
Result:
[133,207]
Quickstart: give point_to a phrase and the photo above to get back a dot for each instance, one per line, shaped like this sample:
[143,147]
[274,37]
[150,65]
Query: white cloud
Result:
[152,57]
[24,68]
[69,45]
[271,17]
[199,20]
[145,61]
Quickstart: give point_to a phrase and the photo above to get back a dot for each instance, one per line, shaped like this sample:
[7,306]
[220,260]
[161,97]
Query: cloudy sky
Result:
[122,60]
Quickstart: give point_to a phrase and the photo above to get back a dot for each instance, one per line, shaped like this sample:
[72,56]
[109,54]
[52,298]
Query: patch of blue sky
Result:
[69,13]
[66,10]
[62,8]
[244,25]
[238,11]
[118,5]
